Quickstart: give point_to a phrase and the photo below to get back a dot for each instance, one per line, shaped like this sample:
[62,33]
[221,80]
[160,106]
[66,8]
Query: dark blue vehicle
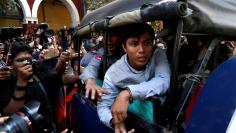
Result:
[199,36]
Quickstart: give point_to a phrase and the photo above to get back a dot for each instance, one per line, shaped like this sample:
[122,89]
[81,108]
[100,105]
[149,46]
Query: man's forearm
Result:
[60,67]
[69,79]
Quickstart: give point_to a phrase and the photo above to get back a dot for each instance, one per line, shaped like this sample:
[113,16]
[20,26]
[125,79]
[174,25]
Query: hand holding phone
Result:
[4,69]
[4,73]
[65,56]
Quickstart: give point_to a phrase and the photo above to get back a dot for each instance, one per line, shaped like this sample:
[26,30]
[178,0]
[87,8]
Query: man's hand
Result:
[94,90]
[3,119]
[4,74]
[24,71]
[62,62]
[120,128]
[120,107]
[65,56]
[41,54]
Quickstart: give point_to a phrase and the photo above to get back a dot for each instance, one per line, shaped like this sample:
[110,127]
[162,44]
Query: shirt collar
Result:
[131,68]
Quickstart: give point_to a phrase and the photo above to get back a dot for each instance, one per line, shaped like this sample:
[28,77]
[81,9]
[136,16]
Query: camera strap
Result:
[49,107]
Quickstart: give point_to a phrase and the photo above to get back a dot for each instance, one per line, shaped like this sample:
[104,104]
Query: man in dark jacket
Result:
[33,81]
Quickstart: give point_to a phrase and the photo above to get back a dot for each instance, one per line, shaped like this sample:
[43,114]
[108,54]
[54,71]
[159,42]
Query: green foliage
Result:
[94,4]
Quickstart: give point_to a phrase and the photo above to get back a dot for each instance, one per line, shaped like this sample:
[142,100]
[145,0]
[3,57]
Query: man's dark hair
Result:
[134,30]
[18,47]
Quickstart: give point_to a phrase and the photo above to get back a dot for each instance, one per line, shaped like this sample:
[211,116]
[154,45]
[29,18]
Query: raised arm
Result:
[90,75]
[104,107]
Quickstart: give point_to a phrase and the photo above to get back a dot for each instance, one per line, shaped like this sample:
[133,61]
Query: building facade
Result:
[56,13]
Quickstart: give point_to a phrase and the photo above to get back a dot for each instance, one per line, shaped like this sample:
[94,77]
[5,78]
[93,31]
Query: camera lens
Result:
[15,124]
[27,120]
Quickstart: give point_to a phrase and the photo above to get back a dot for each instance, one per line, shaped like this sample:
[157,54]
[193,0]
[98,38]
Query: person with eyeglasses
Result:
[32,81]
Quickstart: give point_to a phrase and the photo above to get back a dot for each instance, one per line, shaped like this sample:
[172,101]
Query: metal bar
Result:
[105,52]
[174,68]
[198,70]
[175,59]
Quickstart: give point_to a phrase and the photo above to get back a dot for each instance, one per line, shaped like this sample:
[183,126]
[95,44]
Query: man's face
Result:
[113,40]
[22,59]
[139,50]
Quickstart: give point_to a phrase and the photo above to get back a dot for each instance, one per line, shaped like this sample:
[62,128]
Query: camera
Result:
[26,120]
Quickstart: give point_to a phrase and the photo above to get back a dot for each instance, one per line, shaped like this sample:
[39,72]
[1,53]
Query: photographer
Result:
[34,82]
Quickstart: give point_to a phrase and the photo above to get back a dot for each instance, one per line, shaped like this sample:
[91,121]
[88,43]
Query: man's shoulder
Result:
[100,51]
[118,66]
[158,50]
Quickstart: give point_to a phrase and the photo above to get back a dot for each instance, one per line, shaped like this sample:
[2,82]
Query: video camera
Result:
[26,120]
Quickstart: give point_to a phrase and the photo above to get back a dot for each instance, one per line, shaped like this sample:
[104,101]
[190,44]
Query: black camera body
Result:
[26,120]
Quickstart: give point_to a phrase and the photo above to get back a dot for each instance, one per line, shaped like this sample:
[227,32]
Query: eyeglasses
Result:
[28,59]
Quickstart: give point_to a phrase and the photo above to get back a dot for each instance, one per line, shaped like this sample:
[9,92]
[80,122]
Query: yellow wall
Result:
[10,22]
[56,15]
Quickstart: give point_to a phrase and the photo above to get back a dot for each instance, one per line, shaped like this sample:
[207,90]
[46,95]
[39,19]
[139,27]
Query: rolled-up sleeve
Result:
[159,84]
[104,107]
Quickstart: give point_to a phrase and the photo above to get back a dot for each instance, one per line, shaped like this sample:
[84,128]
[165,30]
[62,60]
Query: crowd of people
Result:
[37,67]
[42,67]
[45,67]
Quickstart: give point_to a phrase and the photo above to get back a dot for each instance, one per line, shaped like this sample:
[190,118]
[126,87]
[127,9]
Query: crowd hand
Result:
[41,54]
[4,74]
[66,131]
[120,107]
[24,71]
[3,119]
[93,90]
[65,56]
[120,128]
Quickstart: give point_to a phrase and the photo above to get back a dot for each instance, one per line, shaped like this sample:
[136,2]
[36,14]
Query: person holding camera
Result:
[33,81]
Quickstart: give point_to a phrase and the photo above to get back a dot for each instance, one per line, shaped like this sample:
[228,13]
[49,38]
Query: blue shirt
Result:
[92,69]
[154,79]
[87,57]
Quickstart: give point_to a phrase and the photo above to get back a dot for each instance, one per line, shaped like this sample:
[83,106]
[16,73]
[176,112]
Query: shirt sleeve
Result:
[159,84]
[91,71]
[86,59]
[104,107]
